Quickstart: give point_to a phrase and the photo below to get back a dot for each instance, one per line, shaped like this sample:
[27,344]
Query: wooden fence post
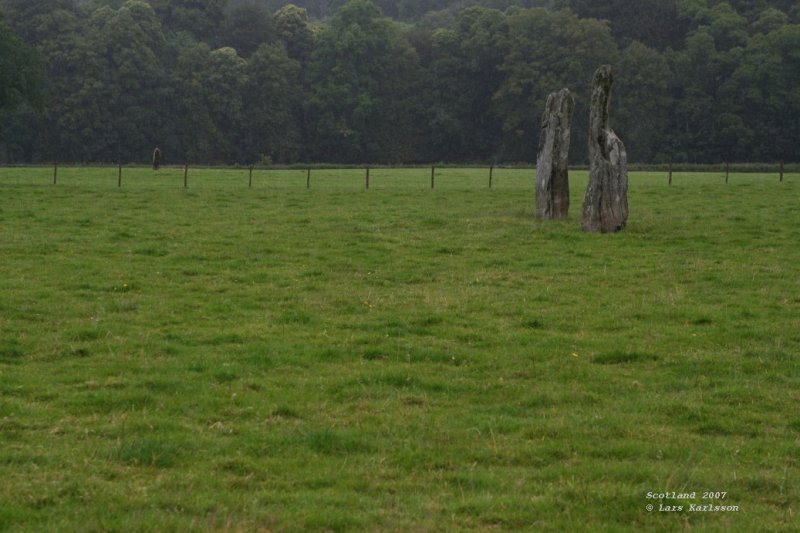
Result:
[250,180]
[491,171]
[433,173]
[186,176]
[308,178]
[727,171]
[367,177]
[781,171]
[670,174]
[55,173]
[119,175]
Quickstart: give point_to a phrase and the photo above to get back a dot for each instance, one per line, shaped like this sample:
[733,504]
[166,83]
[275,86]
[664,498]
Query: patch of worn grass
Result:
[332,358]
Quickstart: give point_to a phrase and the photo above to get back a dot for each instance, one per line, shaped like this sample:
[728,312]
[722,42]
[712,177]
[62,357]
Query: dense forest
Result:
[392,81]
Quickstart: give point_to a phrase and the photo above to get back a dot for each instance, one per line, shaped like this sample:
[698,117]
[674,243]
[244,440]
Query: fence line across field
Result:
[308,171]
[279,175]
[339,177]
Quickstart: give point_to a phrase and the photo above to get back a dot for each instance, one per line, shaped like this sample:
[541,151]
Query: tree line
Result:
[246,81]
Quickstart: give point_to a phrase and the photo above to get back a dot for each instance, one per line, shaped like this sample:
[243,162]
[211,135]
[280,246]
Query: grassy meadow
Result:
[225,358]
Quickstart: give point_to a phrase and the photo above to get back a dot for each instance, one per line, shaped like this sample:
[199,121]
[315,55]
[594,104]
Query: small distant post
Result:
[491,171]
[55,172]
[367,177]
[433,174]
[670,173]
[781,171]
[156,159]
[119,175]
[727,171]
[250,180]
[308,178]
[186,175]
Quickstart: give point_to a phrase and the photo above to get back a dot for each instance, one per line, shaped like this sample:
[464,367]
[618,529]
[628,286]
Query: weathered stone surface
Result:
[605,204]
[552,174]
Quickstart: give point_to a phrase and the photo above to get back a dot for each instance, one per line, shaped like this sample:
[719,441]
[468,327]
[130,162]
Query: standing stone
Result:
[605,205]
[156,159]
[552,174]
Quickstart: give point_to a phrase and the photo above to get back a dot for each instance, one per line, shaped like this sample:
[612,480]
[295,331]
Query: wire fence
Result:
[344,178]
[349,178]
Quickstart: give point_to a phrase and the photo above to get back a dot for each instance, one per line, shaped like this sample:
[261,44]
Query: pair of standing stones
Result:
[605,204]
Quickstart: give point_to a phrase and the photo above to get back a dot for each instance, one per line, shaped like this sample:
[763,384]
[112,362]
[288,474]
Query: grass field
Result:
[397,359]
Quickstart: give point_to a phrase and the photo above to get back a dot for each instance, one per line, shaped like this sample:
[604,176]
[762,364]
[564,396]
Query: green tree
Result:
[21,81]
[763,91]
[642,102]
[195,129]
[129,85]
[464,74]
[449,118]
[226,76]
[768,20]
[201,18]
[656,23]
[44,24]
[699,72]
[728,27]
[361,85]
[706,124]
[246,27]
[57,30]
[208,87]
[21,72]
[225,81]
[548,50]
[272,98]
[694,11]
[292,27]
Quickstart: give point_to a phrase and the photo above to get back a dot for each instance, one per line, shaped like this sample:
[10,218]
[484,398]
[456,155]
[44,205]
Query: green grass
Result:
[225,358]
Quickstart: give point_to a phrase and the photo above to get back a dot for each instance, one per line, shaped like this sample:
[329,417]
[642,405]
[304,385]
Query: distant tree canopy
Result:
[391,81]
[21,72]
[21,86]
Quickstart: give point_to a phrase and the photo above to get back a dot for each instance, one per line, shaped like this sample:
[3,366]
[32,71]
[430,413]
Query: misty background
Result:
[391,81]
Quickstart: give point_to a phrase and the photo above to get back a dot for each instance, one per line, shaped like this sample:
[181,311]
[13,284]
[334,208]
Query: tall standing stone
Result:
[156,159]
[605,205]
[552,173]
